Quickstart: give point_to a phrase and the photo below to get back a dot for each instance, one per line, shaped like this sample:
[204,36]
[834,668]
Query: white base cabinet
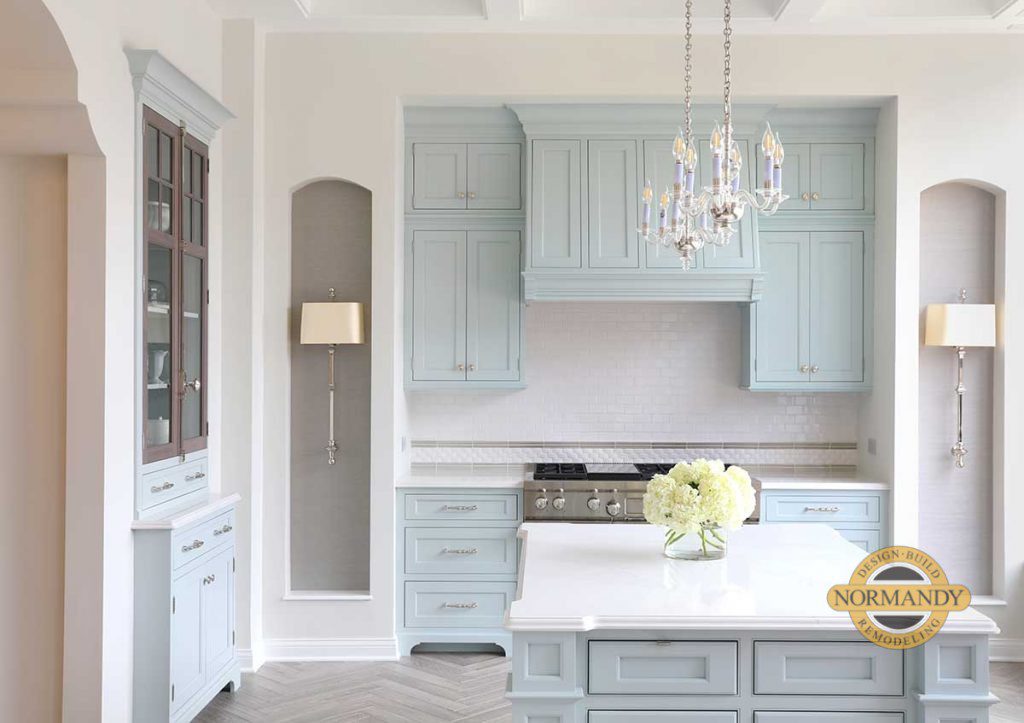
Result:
[184,613]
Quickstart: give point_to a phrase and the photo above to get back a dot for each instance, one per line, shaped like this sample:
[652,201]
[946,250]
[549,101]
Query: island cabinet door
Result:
[439,175]
[662,716]
[439,306]
[650,667]
[827,668]
[492,306]
[782,344]
[837,306]
[612,205]
[555,221]
[777,716]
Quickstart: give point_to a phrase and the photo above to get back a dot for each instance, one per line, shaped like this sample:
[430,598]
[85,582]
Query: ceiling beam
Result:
[798,10]
[503,9]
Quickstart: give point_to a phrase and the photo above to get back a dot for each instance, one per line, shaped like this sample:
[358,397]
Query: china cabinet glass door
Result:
[175,234]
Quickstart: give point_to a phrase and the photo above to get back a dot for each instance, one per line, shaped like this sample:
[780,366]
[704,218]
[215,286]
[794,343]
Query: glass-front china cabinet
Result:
[175,223]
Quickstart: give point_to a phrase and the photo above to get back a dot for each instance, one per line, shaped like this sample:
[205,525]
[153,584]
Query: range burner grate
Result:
[555,471]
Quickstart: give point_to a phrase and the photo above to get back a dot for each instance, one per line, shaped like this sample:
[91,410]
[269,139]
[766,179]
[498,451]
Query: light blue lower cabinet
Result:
[661,716]
[458,559]
[826,668]
[655,667]
[861,516]
[788,716]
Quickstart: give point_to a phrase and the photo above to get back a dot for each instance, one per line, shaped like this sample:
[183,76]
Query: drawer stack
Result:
[457,565]
[861,516]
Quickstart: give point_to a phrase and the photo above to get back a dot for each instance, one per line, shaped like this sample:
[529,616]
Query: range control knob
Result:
[614,508]
[541,503]
[559,502]
[594,503]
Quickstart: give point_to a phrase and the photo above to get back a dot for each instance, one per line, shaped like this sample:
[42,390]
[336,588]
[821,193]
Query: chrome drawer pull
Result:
[223,530]
[459,551]
[460,508]
[831,508]
[209,579]
[161,488]
[196,544]
[462,606]
[197,475]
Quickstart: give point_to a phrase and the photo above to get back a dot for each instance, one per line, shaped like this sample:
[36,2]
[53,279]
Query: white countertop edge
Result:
[189,515]
[967,627]
[804,484]
[442,482]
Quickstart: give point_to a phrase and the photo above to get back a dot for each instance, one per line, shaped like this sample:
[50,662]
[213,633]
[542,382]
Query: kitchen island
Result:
[607,630]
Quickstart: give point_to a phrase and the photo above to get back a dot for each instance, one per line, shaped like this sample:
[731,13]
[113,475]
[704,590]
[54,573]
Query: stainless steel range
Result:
[591,492]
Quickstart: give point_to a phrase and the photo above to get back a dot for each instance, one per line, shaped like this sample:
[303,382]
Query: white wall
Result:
[609,372]
[33,192]
[332,110]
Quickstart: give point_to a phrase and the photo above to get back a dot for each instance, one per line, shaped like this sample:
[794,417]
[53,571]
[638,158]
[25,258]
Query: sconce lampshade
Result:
[332,322]
[960,325]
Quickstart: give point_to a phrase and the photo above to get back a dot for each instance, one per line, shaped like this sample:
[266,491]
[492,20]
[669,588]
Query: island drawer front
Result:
[813,668]
[662,716]
[785,716]
[822,508]
[167,484]
[868,540]
[457,604]
[462,508]
[200,539]
[469,550]
[652,667]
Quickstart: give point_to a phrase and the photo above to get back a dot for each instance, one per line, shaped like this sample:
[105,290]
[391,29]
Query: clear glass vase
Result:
[708,543]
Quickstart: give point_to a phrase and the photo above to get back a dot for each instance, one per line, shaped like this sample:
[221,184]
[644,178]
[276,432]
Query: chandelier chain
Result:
[688,68]
[727,32]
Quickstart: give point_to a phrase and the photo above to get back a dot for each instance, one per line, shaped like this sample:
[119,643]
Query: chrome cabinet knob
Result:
[195,545]
[162,488]
[461,367]
[223,530]
[814,369]
[805,196]
[594,503]
[815,196]
[541,503]
[195,385]
[559,502]
[192,477]
[804,368]
[462,194]
[472,195]
[472,367]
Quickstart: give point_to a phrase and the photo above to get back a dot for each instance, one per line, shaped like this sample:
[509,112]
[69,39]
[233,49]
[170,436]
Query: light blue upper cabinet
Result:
[439,306]
[612,205]
[659,170]
[493,176]
[807,332]
[796,176]
[782,343]
[493,306]
[439,175]
[555,221]
[837,176]
[740,252]
[837,307]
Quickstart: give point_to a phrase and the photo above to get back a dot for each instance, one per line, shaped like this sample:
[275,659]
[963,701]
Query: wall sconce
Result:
[332,323]
[960,326]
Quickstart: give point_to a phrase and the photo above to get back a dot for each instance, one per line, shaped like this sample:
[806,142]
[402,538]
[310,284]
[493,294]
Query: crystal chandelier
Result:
[689,219]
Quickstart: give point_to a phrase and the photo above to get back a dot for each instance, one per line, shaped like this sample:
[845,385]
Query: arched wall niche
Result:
[962,230]
[329,515]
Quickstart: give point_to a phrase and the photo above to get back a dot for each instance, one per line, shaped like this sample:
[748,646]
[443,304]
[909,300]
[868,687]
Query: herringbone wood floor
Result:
[425,688]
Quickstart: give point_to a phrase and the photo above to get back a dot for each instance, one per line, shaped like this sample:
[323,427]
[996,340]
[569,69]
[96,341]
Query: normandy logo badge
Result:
[899,597]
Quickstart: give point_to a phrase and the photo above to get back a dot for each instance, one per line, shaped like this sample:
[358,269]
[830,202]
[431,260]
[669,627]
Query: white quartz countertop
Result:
[775,577]
[490,477]
[811,482]
[185,516]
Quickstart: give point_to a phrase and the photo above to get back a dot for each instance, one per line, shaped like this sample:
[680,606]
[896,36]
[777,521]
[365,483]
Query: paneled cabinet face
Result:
[810,319]
[474,176]
[466,305]
[555,221]
[218,611]
[175,230]
[822,177]
[612,204]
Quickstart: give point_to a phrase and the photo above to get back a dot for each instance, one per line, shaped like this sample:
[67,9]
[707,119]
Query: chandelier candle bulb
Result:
[648,197]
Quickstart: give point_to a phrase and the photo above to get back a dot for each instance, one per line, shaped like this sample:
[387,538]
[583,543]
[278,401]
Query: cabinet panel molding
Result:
[555,203]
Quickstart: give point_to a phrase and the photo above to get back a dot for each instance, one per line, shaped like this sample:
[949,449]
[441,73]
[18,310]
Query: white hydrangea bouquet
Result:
[697,502]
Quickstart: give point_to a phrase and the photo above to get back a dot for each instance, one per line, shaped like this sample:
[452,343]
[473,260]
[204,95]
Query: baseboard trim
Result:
[1006,650]
[250,660]
[330,649]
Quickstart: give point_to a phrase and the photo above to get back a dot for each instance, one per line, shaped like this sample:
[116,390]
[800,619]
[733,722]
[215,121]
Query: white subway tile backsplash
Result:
[606,373]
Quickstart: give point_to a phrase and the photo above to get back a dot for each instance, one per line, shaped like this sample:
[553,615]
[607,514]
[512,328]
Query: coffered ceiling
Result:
[785,17]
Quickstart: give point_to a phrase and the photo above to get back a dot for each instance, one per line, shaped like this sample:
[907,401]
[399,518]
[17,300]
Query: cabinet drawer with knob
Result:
[462,508]
[461,550]
[809,508]
[167,484]
[457,604]
[193,542]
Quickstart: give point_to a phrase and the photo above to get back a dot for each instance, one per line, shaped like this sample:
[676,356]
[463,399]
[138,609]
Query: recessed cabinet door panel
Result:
[782,325]
[218,611]
[837,176]
[439,305]
[661,716]
[555,236]
[187,669]
[492,306]
[493,176]
[739,252]
[659,169]
[796,176]
[612,203]
[439,175]
[867,540]
[837,306]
